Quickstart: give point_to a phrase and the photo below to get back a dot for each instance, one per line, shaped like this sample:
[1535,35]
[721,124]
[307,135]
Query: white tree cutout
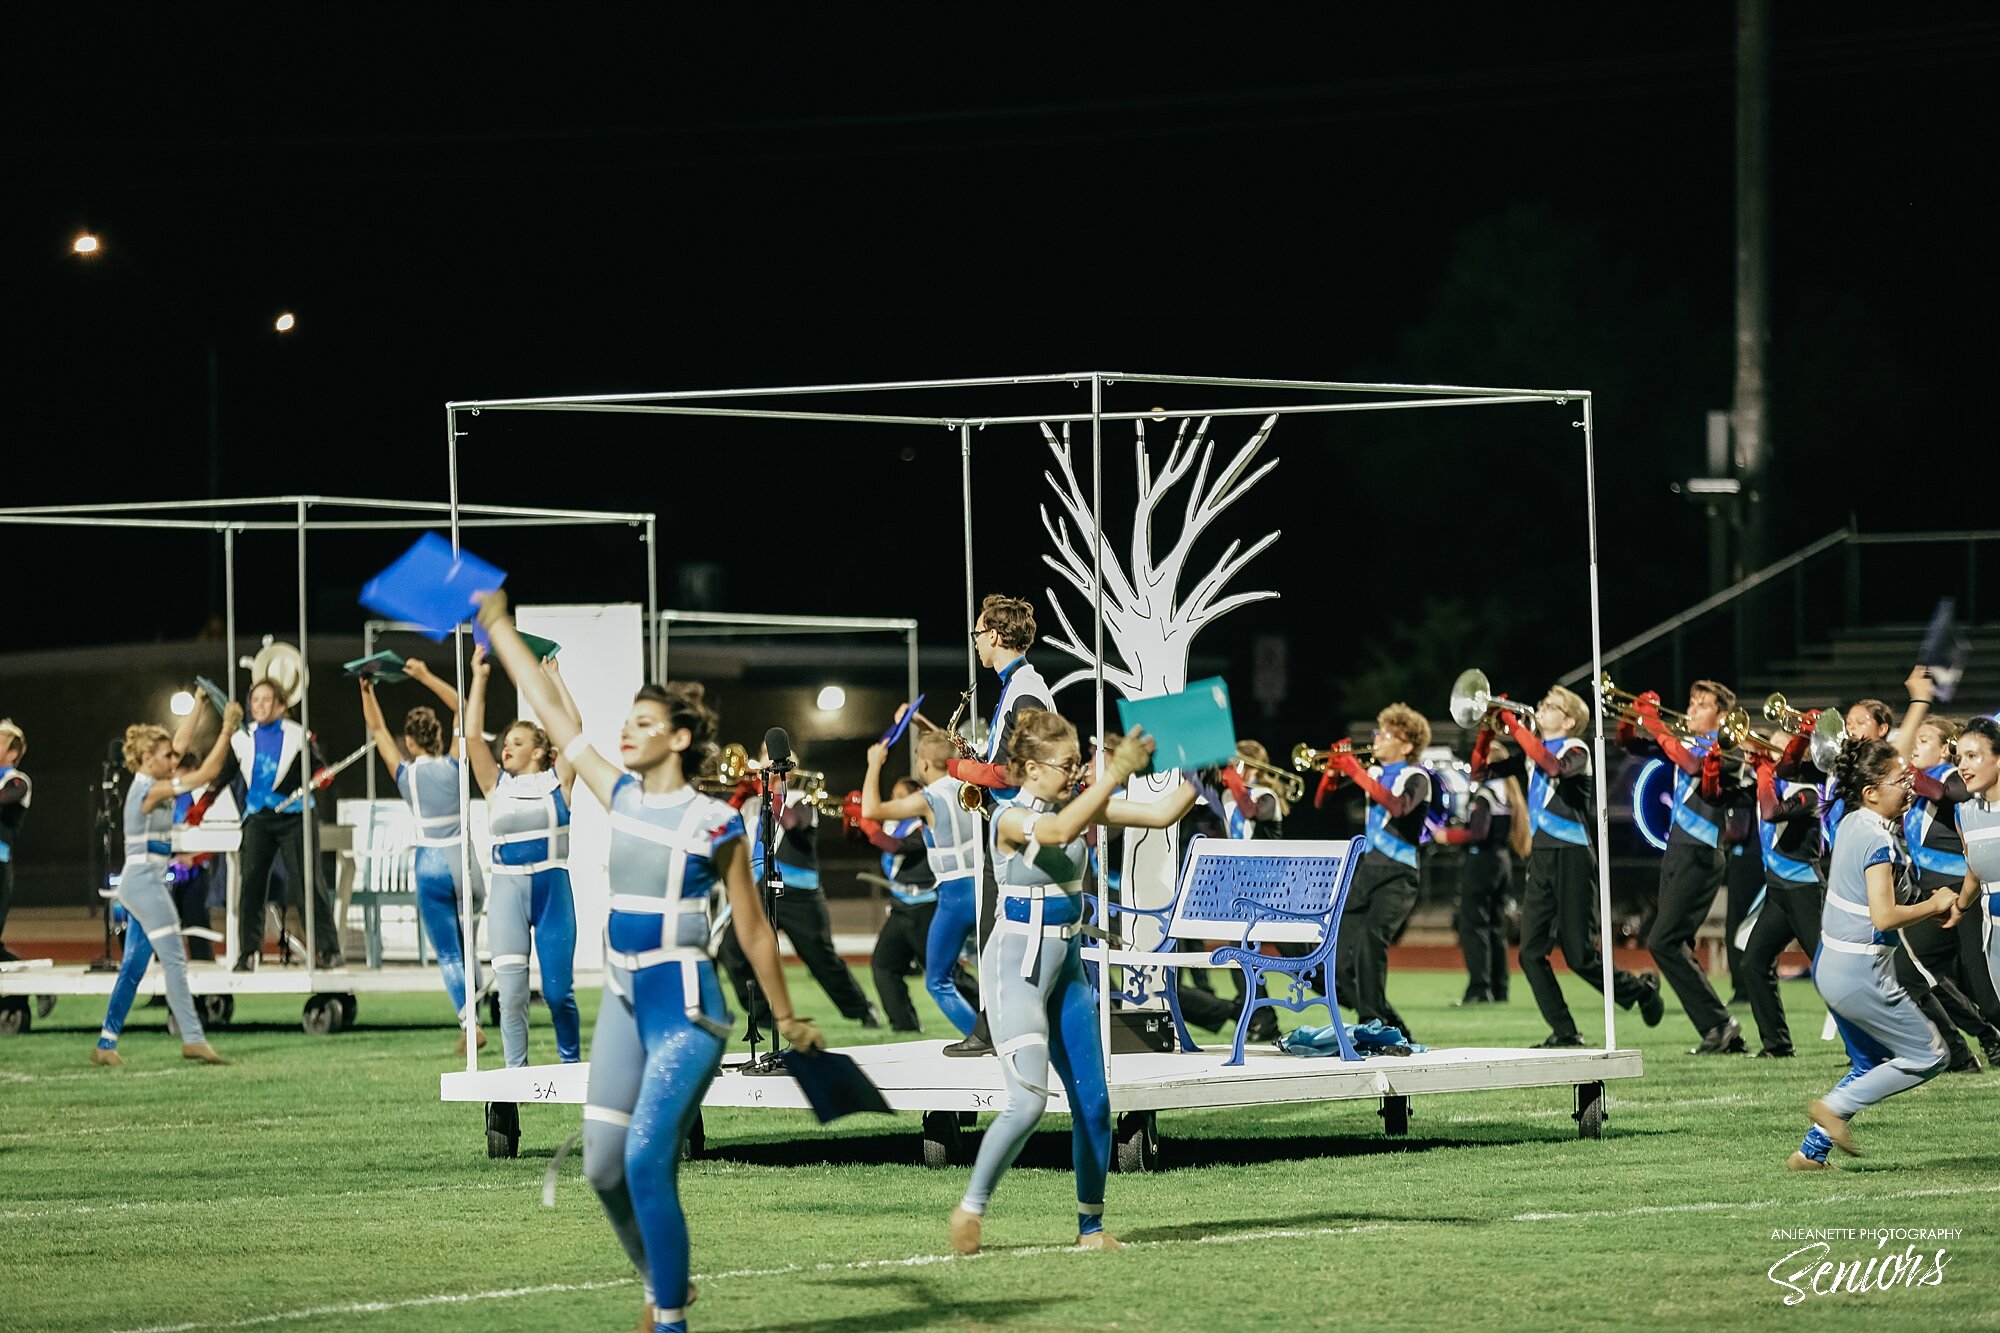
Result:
[1148,626]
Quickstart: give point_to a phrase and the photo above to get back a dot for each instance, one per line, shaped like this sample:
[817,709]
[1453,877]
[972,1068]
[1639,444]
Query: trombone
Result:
[1621,703]
[1290,786]
[1777,709]
[1824,747]
[1735,733]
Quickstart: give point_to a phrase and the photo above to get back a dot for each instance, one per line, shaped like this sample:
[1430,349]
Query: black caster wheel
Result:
[944,1139]
[1590,1113]
[216,1010]
[15,1017]
[1395,1115]
[348,1007]
[695,1145]
[322,1015]
[503,1129]
[1137,1142]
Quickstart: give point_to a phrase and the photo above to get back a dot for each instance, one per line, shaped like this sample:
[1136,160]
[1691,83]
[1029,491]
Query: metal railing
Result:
[1808,596]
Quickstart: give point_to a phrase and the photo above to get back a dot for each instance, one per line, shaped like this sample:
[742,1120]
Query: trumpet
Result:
[1290,786]
[1473,703]
[1621,703]
[732,766]
[1308,760]
[1735,733]
[1777,710]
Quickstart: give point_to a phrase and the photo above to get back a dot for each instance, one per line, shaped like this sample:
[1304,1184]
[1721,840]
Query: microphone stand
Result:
[769,888]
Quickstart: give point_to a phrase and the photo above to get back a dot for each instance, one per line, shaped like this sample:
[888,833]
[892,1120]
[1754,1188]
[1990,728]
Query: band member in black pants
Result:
[1385,886]
[1485,831]
[16,794]
[1691,869]
[1001,635]
[274,755]
[1561,902]
[1789,842]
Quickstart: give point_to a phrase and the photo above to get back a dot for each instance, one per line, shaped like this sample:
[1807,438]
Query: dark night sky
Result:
[539,201]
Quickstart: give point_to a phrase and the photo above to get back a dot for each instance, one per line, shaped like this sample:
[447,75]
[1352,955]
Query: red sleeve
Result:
[1767,793]
[1710,768]
[1482,745]
[1478,826]
[1670,746]
[978,773]
[877,836]
[1948,791]
[12,790]
[1531,746]
[1793,761]
[1381,795]
[1240,790]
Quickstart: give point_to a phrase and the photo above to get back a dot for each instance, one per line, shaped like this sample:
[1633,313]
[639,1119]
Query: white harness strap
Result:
[688,958]
[604,1115]
[640,905]
[1843,946]
[510,961]
[1026,1041]
[1034,927]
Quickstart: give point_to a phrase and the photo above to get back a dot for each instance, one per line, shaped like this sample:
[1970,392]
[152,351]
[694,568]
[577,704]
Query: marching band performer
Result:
[1978,816]
[274,756]
[1691,870]
[1002,634]
[429,784]
[16,794]
[152,756]
[664,1024]
[1031,971]
[949,831]
[1385,886]
[1561,901]
[1789,842]
[529,903]
[1952,963]
[1893,1046]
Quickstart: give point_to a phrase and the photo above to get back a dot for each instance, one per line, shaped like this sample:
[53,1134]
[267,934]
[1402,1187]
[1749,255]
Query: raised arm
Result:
[913,806]
[218,753]
[1922,690]
[1397,804]
[184,733]
[477,752]
[753,930]
[565,771]
[1057,827]
[385,739]
[518,660]
[431,681]
[1165,812]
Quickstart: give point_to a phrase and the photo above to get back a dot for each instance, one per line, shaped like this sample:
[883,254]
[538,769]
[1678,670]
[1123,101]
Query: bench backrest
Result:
[1298,876]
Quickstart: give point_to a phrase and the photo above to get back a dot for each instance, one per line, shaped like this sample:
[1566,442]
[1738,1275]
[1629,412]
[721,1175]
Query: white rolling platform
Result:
[330,992]
[917,1076]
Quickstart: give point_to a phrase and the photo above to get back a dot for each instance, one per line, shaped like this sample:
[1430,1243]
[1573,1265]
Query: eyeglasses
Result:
[983,629]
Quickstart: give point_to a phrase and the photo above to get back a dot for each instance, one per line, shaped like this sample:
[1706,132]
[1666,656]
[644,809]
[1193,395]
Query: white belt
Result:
[530,868]
[1852,909]
[452,841]
[1842,946]
[532,835]
[645,906]
[688,958]
[1035,894]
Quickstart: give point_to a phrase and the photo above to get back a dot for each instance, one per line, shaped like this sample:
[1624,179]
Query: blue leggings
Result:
[956,917]
[1046,1020]
[1890,1043]
[544,905]
[152,916]
[437,903]
[650,1064]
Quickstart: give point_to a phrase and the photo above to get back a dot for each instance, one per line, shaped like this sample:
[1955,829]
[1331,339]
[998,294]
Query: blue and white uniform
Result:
[951,837]
[1042,1014]
[155,925]
[662,1027]
[430,787]
[16,794]
[531,898]
[1979,827]
[1893,1046]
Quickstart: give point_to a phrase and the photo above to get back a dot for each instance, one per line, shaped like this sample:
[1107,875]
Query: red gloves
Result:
[1711,776]
[1811,721]
[744,791]
[1344,760]
[1240,791]
[1767,785]
[1647,704]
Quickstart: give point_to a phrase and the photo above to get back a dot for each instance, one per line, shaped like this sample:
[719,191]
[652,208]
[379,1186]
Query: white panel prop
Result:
[602,662]
[1152,611]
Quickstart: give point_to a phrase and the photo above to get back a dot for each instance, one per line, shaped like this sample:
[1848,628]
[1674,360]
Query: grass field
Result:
[319,1184]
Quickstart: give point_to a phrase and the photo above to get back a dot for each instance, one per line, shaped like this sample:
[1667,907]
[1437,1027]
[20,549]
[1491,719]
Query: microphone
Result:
[778,746]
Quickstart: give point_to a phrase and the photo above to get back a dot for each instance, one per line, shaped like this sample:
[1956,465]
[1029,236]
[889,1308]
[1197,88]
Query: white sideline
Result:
[1031,1252]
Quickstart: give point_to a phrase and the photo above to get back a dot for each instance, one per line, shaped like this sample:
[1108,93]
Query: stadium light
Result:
[831,699]
[287,322]
[85,244]
[182,703]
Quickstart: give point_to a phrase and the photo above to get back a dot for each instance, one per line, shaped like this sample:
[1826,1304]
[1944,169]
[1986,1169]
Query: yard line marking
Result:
[9,1076]
[152,1205]
[1038,1251]
[854,1266]
[1656,1209]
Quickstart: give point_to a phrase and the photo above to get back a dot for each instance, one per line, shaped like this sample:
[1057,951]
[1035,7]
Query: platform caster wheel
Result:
[44,1005]
[1137,1142]
[14,1015]
[322,1015]
[349,1006]
[503,1129]
[1590,1113]
[1395,1115]
[216,1010]
[944,1139]
[695,1145]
